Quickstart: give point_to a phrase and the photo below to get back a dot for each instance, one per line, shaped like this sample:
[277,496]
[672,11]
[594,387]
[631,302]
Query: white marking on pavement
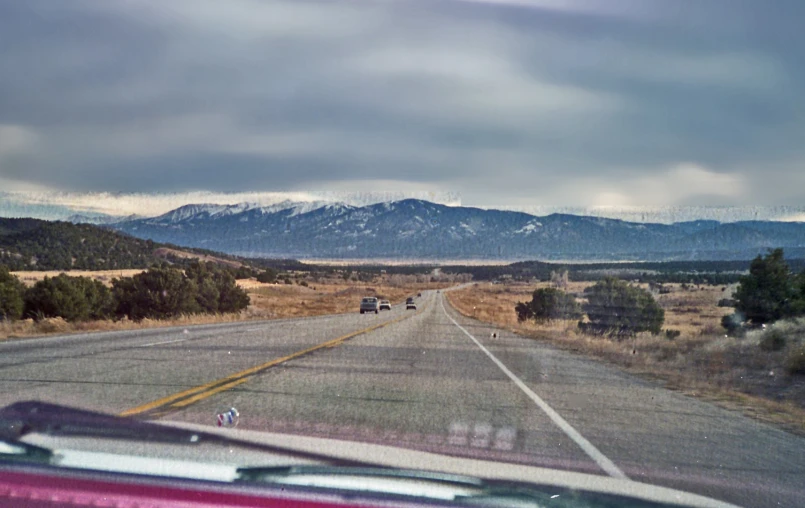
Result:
[505,438]
[458,434]
[481,436]
[166,342]
[603,462]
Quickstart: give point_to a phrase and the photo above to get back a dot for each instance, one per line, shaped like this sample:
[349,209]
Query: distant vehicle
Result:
[409,304]
[385,305]
[370,304]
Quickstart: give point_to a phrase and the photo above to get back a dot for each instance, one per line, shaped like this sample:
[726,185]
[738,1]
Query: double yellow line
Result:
[181,400]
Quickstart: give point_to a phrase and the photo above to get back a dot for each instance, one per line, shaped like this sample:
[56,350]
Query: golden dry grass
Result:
[105,276]
[284,301]
[29,328]
[701,361]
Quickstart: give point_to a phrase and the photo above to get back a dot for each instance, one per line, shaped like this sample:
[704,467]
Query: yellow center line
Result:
[201,392]
[204,395]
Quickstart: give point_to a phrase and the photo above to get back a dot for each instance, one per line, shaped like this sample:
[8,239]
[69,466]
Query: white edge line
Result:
[159,343]
[603,462]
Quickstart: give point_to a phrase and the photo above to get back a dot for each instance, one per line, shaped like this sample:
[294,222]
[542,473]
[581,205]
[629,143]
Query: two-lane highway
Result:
[119,371]
[431,380]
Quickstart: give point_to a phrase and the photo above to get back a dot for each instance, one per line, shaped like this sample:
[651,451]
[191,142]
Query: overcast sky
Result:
[516,103]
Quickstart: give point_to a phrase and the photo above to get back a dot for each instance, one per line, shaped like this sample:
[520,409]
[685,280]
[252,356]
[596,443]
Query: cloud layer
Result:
[507,102]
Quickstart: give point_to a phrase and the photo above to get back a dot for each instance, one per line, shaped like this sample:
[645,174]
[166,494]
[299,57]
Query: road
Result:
[431,380]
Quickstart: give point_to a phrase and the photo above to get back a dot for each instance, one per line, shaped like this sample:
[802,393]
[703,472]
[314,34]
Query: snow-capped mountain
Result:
[100,219]
[420,229]
[195,212]
[201,212]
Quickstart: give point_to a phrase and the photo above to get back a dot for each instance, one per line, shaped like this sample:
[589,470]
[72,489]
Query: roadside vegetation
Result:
[161,292]
[202,293]
[742,344]
[673,272]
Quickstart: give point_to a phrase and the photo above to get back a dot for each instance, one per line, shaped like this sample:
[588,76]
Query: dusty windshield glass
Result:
[566,235]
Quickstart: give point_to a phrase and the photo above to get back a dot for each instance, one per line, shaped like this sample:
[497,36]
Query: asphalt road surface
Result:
[430,380]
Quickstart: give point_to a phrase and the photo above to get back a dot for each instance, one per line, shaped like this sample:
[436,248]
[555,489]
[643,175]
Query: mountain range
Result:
[415,229]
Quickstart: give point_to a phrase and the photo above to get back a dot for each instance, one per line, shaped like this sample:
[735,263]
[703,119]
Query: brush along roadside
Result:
[738,373]
[268,301]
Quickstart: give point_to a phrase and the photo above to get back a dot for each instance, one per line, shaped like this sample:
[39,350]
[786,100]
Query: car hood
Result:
[401,458]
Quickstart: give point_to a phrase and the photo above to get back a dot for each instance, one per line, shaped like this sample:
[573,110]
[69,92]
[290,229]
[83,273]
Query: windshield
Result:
[566,235]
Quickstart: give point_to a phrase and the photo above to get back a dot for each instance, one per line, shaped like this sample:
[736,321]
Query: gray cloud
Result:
[506,102]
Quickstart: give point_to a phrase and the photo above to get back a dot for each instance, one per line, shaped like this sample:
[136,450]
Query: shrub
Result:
[672,334]
[547,304]
[217,290]
[733,324]
[208,295]
[726,302]
[523,311]
[244,272]
[772,340]
[159,293]
[12,290]
[614,306]
[795,362]
[288,281]
[769,292]
[232,298]
[269,276]
[71,298]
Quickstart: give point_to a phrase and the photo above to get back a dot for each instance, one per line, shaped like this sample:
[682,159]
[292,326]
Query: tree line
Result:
[770,292]
[690,272]
[29,244]
[161,292]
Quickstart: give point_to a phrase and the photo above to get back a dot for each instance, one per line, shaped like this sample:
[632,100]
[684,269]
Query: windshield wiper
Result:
[462,490]
[12,451]
[426,484]
[268,474]
[28,417]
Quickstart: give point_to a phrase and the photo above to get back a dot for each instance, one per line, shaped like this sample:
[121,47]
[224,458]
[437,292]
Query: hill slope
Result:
[31,244]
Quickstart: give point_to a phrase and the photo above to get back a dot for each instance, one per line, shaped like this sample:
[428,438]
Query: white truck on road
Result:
[370,304]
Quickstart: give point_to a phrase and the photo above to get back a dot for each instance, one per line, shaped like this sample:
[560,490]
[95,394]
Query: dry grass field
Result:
[105,276]
[702,361]
[268,301]
[271,301]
